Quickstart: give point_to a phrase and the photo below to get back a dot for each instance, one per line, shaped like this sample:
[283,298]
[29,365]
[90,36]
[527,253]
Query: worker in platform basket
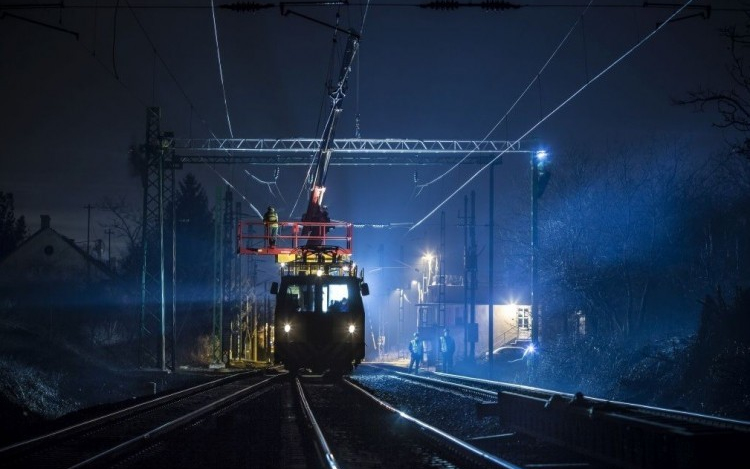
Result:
[271,219]
[416,351]
[325,218]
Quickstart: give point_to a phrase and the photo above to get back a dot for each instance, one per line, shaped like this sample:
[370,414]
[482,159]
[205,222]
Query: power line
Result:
[536,78]
[488,5]
[554,111]
[221,71]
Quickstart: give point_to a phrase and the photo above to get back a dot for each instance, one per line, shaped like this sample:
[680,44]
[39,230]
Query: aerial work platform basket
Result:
[295,238]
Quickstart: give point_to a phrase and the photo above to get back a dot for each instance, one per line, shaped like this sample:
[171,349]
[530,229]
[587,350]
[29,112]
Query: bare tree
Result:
[615,235]
[124,220]
[733,104]
[125,223]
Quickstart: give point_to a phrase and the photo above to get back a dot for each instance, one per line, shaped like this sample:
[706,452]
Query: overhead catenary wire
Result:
[554,111]
[192,107]
[179,86]
[137,98]
[269,184]
[489,5]
[536,78]
[237,191]
[114,40]
[221,71]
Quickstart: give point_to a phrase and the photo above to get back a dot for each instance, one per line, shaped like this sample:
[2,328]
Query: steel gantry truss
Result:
[164,154]
[346,152]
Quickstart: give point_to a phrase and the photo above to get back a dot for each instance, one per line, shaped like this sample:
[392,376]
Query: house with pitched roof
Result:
[50,282]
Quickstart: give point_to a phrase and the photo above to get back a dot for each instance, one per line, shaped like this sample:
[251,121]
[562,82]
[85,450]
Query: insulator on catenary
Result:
[493,5]
[496,6]
[246,6]
[444,5]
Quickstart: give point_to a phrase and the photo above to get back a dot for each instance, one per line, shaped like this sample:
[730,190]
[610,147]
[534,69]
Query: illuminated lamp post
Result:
[427,257]
[400,314]
[420,296]
[424,320]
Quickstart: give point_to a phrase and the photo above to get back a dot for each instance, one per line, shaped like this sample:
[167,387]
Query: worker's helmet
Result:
[416,334]
[271,208]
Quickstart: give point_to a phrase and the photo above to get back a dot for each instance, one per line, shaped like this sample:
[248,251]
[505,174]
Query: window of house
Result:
[523,318]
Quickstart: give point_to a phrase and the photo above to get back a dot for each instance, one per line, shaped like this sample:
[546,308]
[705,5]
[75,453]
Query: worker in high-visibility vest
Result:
[416,353]
[271,219]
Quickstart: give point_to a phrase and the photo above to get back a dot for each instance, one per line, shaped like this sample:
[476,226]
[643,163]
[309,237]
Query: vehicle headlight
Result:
[287,327]
[352,328]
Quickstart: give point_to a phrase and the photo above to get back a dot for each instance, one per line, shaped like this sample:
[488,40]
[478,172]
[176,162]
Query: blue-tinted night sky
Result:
[72,107]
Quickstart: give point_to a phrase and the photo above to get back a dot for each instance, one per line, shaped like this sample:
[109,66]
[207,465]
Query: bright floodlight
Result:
[541,155]
[287,327]
[351,328]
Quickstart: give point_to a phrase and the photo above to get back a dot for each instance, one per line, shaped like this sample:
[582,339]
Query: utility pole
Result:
[109,232]
[217,341]
[88,208]
[534,243]
[491,293]
[473,326]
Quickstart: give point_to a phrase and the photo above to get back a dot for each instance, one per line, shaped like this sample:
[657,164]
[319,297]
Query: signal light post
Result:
[539,178]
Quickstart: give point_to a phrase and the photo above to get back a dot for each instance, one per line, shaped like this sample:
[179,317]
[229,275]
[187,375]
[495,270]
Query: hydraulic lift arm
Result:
[323,155]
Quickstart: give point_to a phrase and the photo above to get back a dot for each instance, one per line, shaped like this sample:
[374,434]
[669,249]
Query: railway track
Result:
[252,420]
[593,431]
[381,418]
[365,432]
[100,441]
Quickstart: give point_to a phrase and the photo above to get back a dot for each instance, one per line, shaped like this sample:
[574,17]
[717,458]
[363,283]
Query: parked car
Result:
[510,353]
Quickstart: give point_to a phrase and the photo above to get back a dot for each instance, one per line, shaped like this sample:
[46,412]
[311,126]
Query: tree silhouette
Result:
[194,235]
[12,230]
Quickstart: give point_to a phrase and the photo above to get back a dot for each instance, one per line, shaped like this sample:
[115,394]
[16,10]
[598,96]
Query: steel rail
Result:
[174,424]
[325,454]
[27,445]
[469,450]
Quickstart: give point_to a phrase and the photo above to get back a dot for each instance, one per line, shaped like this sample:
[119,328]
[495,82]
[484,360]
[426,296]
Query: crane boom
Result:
[322,157]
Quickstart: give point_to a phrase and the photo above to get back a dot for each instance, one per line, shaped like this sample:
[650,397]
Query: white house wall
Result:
[505,326]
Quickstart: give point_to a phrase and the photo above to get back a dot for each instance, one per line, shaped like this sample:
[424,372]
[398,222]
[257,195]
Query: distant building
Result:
[49,283]
[47,257]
